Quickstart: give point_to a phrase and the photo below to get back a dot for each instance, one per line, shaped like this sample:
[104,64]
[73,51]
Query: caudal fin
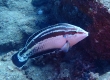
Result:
[16,61]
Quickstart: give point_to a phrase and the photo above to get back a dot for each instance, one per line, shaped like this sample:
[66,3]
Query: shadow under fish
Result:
[53,39]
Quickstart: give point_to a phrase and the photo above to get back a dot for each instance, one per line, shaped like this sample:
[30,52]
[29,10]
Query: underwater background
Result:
[88,60]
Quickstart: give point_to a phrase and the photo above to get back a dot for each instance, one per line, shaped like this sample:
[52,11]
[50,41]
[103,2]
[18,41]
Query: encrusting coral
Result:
[98,43]
[92,16]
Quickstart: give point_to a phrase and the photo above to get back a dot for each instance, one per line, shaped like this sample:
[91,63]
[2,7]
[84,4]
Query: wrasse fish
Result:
[59,37]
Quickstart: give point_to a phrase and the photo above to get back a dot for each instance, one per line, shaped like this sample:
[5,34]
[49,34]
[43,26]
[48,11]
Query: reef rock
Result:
[17,20]
[98,43]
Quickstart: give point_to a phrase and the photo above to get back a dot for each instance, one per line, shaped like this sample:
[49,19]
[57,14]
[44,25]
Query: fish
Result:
[52,39]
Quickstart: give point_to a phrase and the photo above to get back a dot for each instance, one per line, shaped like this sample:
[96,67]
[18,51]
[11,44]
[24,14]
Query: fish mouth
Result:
[81,31]
[87,33]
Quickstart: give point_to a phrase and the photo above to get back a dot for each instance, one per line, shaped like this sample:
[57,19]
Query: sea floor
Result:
[8,71]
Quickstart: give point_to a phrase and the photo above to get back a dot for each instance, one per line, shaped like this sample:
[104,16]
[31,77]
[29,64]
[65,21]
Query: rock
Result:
[40,73]
[64,72]
[105,76]
[94,76]
[10,68]
[3,3]
[44,10]
[106,3]
[67,11]
[6,57]
[98,41]
[17,21]
[10,35]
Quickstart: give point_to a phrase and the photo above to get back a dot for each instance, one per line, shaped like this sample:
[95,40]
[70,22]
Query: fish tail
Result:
[17,62]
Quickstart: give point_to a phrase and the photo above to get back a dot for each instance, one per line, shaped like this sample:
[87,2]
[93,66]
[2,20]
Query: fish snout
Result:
[77,37]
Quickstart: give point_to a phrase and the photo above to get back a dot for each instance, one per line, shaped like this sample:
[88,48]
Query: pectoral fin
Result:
[66,47]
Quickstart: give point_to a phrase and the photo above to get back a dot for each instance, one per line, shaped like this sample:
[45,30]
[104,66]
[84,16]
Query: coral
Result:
[92,16]
[98,42]
[66,11]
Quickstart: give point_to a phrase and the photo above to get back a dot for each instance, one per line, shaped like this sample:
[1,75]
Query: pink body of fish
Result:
[59,37]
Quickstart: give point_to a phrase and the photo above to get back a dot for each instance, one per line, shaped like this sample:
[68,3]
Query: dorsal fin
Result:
[35,34]
[30,38]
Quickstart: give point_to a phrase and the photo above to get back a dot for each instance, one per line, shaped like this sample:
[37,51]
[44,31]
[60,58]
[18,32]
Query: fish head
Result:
[76,37]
